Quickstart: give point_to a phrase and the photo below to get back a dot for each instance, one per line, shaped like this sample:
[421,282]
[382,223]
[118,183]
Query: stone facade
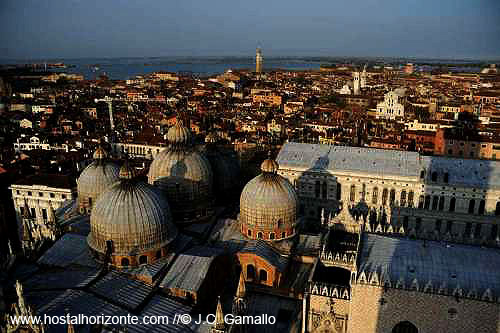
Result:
[374,310]
[427,205]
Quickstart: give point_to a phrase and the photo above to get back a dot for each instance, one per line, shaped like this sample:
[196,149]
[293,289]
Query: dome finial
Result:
[269,165]
[179,134]
[126,171]
[100,153]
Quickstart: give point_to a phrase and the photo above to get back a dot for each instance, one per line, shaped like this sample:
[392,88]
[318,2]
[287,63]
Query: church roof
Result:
[70,249]
[430,266]
[189,270]
[263,250]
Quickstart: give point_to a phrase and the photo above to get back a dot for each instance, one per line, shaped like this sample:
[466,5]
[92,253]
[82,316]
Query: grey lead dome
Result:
[184,175]
[135,216]
[96,178]
[268,204]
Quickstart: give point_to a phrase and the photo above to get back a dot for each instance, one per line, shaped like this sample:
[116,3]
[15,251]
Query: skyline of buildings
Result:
[347,198]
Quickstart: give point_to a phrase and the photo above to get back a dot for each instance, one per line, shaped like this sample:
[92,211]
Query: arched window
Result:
[143,260]
[410,199]
[250,272]
[158,254]
[259,235]
[271,235]
[249,233]
[472,204]
[375,195]
[262,275]
[434,176]
[402,200]
[421,202]
[405,327]
[392,197]
[283,234]
[494,231]
[352,196]
[477,231]
[435,202]
[441,203]
[125,262]
[427,202]
[452,204]
[385,194]
[422,174]
[480,210]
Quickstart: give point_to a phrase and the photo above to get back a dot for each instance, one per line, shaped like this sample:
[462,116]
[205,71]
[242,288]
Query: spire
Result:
[241,291]
[219,326]
[71,328]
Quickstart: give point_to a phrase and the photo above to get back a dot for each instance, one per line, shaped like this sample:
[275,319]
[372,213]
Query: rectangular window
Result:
[52,195]
[40,194]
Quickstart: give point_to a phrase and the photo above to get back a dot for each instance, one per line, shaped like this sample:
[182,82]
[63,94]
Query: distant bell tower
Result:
[356,82]
[258,60]
[363,78]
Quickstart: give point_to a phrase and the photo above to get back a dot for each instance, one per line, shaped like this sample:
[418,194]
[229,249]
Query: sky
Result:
[45,29]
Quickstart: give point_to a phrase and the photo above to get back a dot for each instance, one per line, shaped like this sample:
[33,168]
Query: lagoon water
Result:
[125,68]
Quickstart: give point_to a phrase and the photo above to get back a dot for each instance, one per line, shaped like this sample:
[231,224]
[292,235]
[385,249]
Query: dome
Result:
[95,179]
[268,205]
[179,134]
[225,168]
[135,216]
[185,176]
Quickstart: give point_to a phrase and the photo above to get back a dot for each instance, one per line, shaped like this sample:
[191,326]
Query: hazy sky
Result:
[129,28]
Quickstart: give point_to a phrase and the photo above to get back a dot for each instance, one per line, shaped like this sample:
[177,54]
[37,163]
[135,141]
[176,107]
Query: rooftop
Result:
[387,163]
[448,266]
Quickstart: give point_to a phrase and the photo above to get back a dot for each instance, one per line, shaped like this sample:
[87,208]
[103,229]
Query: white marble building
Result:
[392,107]
[430,197]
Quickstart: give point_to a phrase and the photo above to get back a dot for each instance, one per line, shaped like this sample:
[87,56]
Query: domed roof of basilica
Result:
[179,134]
[97,177]
[224,163]
[268,205]
[134,215]
[182,173]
